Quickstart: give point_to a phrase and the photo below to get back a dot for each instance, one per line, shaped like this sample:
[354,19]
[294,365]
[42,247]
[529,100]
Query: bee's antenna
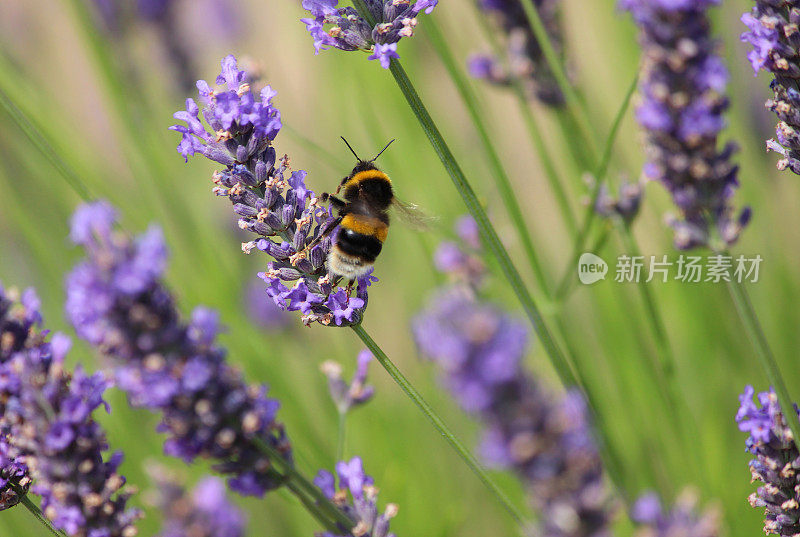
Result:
[382,150]
[350,148]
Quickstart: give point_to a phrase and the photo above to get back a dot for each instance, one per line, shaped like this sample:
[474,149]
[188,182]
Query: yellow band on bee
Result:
[366,174]
[366,226]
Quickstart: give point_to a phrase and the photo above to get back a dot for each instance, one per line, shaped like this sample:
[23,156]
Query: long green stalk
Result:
[437,422]
[37,513]
[34,135]
[575,106]
[495,162]
[488,233]
[600,174]
[532,126]
[749,318]
[300,482]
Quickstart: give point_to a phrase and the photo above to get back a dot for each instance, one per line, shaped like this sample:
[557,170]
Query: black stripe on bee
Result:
[365,247]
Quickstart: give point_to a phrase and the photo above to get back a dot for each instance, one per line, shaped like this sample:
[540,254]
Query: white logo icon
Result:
[591,269]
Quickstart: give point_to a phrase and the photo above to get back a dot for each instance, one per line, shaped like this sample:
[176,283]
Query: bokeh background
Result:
[105,97]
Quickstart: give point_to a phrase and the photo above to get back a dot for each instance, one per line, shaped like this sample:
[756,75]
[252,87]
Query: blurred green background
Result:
[105,102]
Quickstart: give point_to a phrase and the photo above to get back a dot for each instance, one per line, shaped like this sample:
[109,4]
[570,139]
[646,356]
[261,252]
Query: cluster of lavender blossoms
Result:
[546,441]
[204,512]
[49,430]
[117,302]
[361,505]
[776,461]
[270,200]
[682,104]
[524,58]
[346,396]
[775,38]
[683,519]
[19,318]
[347,30]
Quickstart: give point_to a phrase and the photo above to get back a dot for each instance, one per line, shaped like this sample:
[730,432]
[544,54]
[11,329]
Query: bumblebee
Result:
[363,218]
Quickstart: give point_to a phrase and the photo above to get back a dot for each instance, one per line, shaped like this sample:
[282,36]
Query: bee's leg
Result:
[336,202]
[350,287]
[344,181]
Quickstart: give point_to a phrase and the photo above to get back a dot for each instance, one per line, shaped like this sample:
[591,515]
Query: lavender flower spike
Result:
[682,104]
[682,519]
[773,33]
[347,396]
[269,199]
[546,441]
[776,461]
[345,29]
[524,56]
[48,416]
[361,504]
[19,320]
[117,302]
[205,512]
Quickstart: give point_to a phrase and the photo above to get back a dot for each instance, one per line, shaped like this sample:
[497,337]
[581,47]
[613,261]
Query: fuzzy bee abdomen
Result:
[360,245]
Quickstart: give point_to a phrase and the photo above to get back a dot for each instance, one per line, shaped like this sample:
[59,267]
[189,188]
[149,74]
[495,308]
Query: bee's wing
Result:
[411,215]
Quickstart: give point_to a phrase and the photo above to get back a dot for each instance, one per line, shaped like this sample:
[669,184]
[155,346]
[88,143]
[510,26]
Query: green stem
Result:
[600,174]
[341,435]
[749,318]
[488,233]
[437,422]
[290,472]
[499,173]
[37,513]
[574,104]
[34,135]
[312,507]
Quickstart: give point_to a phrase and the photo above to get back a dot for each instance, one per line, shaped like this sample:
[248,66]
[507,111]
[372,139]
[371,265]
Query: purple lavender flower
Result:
[524,56]
[775,463]
[19,320]
[48,428]
[347,396]
[270,200]
[457,259]
[683,519]
[625,205]
[682,104]
[116,301]
[361,504]
[546,441]
[345,29]
[773,34]
[205,512]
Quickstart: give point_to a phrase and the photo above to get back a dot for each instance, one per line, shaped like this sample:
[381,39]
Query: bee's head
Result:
[364,165]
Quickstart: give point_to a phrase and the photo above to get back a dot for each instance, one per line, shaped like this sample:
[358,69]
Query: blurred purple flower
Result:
[683,519]
[523,54]
[347,30]
[46,426]
[362,503]
[116,301]
[262,309]
[775,463]
[773,35]
[546,441]
[204,512]
[682,105]
[269,199]
[347,396]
